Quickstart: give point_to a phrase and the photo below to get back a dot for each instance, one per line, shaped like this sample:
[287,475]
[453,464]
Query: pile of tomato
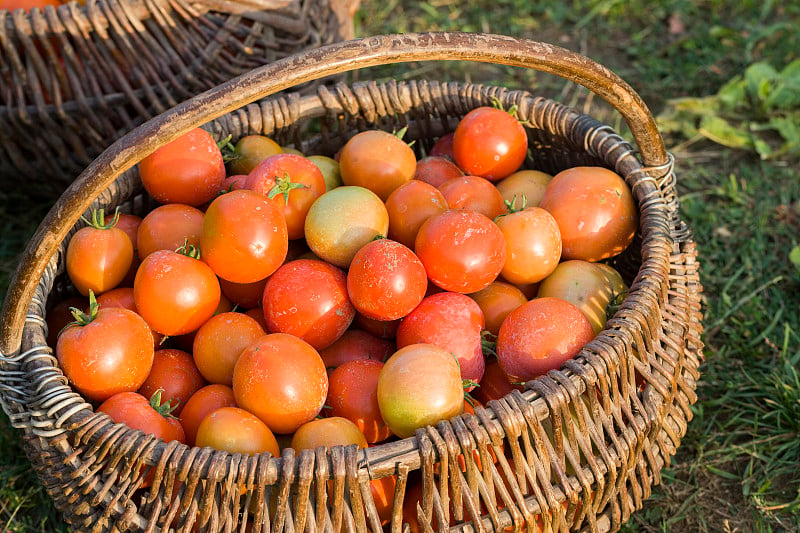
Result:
[275,299]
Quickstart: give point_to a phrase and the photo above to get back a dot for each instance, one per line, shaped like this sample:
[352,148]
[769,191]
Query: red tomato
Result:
[149,416]
[123,297]
[494,384]
[490,143]
[246,295]
[244,236]
[386,280]
[475,194]
[418,386]
[524,186]
[98,256]
[353,394]
[435,170]
[378,161]
[463,251]
[443,147]
[533,245]
[189,170]
[595,212]
[384,329]
[382,490]
[355,345]
[219,342]
[496,301]
[251,150]
[175,293]
[236,430]
[168,227]
[328,432]
[293,183]
[257,314]
[540,336]
[282,380]
[175,374]
[450,321]
[343,220]
[202,403]
[409,206]
[130,225]
[308,299]
[105,352]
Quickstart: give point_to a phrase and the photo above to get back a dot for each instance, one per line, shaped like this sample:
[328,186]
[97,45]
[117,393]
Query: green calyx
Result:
[488,344]
[284,186]
[165,409]
[99,220]
[81,318]
[189,250]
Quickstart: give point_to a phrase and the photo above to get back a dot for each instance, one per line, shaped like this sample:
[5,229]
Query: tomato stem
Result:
[284,186]
[488,343]
[99,221]
[189,250]
[228,149]
[81,318]
[165,409]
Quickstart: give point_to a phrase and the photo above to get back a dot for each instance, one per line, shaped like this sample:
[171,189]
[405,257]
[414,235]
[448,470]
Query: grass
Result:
[736,470]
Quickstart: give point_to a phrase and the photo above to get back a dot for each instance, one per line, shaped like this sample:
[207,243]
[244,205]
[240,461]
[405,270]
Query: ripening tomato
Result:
[496,301]
[595,212]
[168,227]
[293,183]
[386,280]
[189,170]
[174,373]
[219,342]
[251,150]
[308,298]
[490,143]
[435,170]
[106,351]
[330,170]
[409,206]
[98,255]
[328,432]
[540,336]
[147,415]
[524,186]
[475,194]
[354,345]
[450,321]
[343,220]
[533,245]
[201,404]
[175,293]
[418,386]
[377,160]
[236,430]
[463,251]
[353,394]
[244,237]
[282,380]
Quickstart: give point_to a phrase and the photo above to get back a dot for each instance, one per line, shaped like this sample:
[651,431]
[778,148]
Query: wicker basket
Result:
[75,78]
[579,449]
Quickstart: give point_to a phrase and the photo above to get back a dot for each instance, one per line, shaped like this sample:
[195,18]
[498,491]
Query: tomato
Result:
[202,403]
[219,342]
[123,297]
[435,170]
[27,5]
[533,245]
[377,160]
[58,316]
[168,227]
[244,237]
[353,394]
[236,430]
[246,295]
[328,432]
[130,225]
[382,491]
[175,293]
[386,280]
[330,170]
[343,220]
[308,299]
[583,284]
[354,345]
[293,183]
[463,251]
[98,256]
[540,336]
[251,150]
[450,321]
[595,212]
[175,374]
[494,384]
[282,380]
[234,182]
[189,170]
[409,206]
[106,351]
[384,329]
[524,186]
[147,415]
[490,143]
[257,314]
[475,194]
[496,301]
[443,147]
[418,386]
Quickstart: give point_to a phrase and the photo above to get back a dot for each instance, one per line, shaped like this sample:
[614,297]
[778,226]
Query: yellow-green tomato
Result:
[419,385]
[330,170]
[527,184]
[250,150]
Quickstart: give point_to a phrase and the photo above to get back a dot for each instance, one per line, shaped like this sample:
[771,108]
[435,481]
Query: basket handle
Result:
[284,74]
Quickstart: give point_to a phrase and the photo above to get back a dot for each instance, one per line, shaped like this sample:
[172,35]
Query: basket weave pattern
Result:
[580,449]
